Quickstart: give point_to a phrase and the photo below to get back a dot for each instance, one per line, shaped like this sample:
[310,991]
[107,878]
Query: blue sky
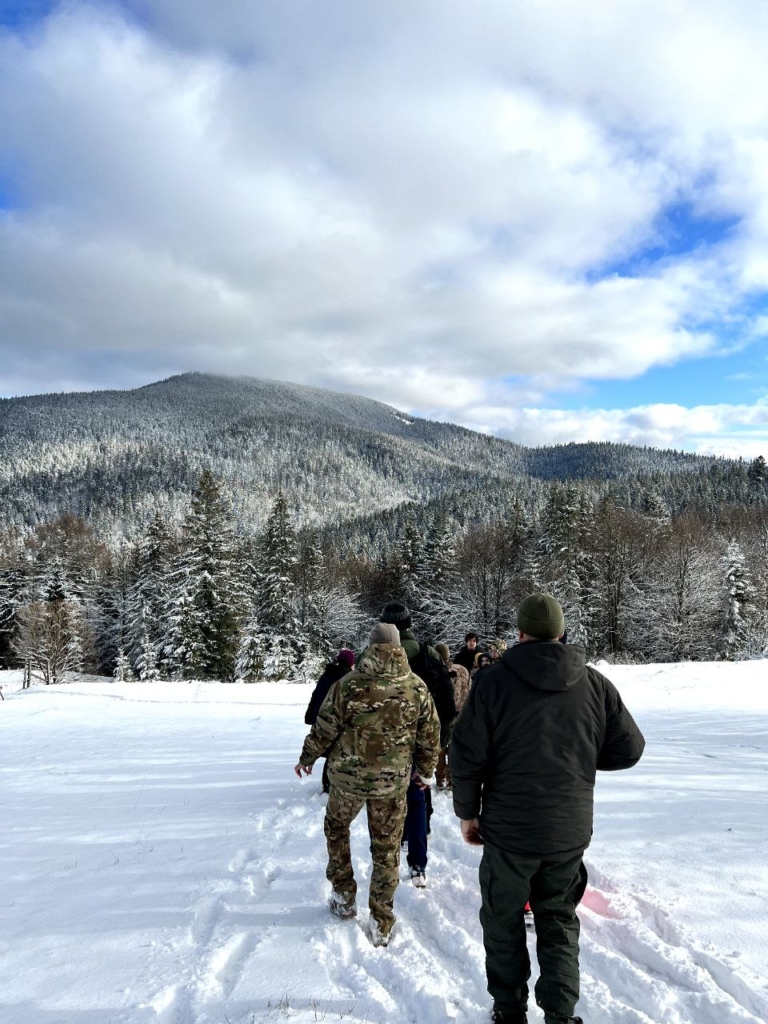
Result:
[549,222]
[16,14]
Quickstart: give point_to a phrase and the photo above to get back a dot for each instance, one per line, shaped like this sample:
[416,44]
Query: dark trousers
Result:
[416,824]
[554,889]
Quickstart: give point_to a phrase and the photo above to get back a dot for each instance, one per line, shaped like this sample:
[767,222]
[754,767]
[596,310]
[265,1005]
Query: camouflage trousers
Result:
[385,827]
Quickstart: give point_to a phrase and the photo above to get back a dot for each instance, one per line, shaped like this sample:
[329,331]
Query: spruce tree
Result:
[435,583]
[14,590]
[206,590]
[123,672]
[738,615]
[311,588]
[274,634]
[147,664]
[150,596]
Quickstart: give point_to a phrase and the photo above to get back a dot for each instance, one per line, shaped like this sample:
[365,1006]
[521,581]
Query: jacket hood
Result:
[384,661]
[547,664]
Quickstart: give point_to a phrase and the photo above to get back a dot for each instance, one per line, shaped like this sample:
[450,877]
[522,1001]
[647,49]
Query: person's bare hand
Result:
[470,831]
[300,768]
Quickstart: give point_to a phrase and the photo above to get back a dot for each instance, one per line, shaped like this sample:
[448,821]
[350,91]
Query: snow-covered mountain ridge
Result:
[115,455]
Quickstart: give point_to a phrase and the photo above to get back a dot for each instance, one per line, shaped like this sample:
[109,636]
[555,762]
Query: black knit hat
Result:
[397,614]
[541,616]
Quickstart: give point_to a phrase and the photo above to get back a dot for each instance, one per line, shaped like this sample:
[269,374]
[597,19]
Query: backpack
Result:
[436,677]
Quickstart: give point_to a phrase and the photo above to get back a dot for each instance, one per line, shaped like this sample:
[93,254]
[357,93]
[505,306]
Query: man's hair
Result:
[470,636]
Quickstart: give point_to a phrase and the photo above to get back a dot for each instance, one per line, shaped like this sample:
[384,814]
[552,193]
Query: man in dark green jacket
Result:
[536,728]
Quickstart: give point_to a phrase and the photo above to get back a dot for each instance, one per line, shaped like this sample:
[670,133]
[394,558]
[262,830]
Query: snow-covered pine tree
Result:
[14,588]
[186,649]
[757,474]
[251,652]
[147,665]
[311,585]
[205,611]
[410,553]
[274,634]
[123,671]
[150,596]
[114,604]
[562,556]
[435,583]
[739,606]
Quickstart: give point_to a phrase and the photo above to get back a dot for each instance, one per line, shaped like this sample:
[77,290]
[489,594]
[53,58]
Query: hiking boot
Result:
[375,934]
[509,1017]
[342,905]
[419,877]
[559,1018]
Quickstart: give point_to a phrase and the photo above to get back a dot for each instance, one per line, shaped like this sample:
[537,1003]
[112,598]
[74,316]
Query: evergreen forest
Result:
[241,529]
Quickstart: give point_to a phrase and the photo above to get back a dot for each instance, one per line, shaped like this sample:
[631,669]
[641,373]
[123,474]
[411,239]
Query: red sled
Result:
[528,918]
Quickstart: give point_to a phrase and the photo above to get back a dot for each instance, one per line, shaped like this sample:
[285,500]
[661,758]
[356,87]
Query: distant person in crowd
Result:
[343,662]
[428,666]
[524,754]
[465,656]
[496,649]
[461,683]
[482,661]
[380,732]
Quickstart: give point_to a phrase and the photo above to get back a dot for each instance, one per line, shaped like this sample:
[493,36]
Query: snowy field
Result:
[160,863]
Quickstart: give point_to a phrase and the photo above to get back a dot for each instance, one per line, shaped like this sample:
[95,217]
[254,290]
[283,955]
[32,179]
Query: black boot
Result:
[560,1019]
[509,1017]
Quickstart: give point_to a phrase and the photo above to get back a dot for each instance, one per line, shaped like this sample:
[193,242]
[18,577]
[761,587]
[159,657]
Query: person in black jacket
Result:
[466,655]
[343,662]
[525,750]
[430,667]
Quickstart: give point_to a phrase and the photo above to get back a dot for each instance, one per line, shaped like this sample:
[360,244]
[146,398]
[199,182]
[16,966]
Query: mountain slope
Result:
[120,454]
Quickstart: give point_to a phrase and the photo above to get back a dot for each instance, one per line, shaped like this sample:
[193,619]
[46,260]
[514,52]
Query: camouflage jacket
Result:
[461,684]
[375,725]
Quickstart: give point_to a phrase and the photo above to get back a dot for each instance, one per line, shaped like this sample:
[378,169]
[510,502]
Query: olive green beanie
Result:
[541,616]
[444,651]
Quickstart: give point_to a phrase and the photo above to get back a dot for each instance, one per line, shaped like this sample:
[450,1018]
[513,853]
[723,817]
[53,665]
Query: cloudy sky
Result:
[546,220]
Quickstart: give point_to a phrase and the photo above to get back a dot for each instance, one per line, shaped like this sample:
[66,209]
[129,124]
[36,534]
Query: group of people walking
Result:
[519,740]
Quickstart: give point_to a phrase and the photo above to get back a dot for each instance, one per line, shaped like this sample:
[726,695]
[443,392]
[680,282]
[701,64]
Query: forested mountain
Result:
[116,456]
[211,527]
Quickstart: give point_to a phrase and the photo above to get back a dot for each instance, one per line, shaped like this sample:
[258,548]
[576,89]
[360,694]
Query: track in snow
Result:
[638,966]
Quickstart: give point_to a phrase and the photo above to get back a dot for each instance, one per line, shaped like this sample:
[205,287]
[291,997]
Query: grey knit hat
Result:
[384,633]
[541,617]
[396,613]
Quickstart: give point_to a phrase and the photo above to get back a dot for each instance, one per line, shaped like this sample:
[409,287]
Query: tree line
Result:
[205,599]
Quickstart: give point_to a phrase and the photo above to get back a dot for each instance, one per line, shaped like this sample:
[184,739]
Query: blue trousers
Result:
[416,827]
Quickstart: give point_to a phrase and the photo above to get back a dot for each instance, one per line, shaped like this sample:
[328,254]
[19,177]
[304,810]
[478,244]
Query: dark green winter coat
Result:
[537,726]
[439,682]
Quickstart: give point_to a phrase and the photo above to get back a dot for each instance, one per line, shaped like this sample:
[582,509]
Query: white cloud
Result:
[406,200]
[731,430]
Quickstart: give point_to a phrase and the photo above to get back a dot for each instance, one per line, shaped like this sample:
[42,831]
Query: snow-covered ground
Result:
[160,863]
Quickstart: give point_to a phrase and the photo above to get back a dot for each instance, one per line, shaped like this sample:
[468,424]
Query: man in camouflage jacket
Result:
[376,725]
